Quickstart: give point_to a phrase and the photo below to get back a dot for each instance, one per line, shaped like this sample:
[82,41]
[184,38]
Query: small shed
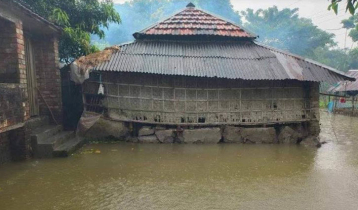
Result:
[345,95]
[197,69]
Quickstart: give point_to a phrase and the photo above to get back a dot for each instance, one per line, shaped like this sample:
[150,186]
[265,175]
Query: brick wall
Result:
[8,53]
[48,75]
[12,105]
[5,155]
[15,145]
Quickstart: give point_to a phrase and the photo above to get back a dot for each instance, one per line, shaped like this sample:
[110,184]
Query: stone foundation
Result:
[15,145]
[202,135]
[107,129]
[305,133]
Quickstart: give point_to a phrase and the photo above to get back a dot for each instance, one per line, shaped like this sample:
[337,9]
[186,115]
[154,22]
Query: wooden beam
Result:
[327,94]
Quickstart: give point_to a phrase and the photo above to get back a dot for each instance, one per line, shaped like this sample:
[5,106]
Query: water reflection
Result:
[132,176]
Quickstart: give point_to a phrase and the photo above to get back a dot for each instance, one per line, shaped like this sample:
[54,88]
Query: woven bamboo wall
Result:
[176,100]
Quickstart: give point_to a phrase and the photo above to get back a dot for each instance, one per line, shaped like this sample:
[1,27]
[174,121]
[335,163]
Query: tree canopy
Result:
[350,5]
[79,19]
[284,29]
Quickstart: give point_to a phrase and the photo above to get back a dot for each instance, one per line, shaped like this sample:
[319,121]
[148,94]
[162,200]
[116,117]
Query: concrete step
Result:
[37,122]
[45,148]
[43,133]
[69,147]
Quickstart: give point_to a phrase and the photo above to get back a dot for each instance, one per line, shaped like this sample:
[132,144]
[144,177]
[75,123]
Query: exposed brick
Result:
[14,107]
[8,57]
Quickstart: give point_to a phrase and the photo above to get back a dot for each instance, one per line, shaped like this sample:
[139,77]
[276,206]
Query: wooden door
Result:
[31,79]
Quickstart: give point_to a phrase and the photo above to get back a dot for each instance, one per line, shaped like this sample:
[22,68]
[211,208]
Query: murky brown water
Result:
[126,176]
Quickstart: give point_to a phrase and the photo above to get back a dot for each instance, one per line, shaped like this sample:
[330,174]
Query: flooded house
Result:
[343,96]
[197,78]
[30,87]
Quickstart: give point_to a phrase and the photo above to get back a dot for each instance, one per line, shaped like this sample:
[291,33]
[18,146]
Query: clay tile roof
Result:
[195,22]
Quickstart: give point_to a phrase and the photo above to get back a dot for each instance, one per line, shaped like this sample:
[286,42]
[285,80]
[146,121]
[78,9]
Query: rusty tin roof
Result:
[231,59]
[156,52]
[345,86]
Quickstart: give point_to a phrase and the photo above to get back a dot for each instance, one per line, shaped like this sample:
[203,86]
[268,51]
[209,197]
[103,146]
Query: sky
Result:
[313,9]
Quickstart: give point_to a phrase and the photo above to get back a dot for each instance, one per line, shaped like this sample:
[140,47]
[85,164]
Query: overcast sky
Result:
[314,9]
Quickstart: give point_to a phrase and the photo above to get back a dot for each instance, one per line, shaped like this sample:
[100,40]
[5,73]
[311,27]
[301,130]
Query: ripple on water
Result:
[126,176]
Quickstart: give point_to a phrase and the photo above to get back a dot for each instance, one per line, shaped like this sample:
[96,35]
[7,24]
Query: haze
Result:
[315,10]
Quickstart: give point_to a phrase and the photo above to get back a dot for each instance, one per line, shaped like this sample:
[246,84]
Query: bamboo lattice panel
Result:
[176,100]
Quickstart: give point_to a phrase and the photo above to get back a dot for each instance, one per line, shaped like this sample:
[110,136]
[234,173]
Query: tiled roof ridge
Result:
[195,22]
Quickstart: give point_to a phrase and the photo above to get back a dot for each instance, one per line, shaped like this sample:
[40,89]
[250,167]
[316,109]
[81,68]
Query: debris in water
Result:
[97,152]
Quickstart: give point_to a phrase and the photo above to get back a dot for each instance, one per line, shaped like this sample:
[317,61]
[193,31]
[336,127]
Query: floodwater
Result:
[130,176]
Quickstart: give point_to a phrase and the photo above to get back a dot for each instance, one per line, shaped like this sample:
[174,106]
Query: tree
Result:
[284,29]
[139,14]
[79,19]
[351,6]
[336,58]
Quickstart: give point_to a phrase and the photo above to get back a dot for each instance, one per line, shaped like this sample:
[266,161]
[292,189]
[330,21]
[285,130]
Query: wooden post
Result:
[353,105]
[335,103]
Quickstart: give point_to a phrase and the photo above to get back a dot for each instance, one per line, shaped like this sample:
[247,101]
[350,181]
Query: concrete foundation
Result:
[203,135]
[165,136]
[232,134]
[305,133]
[106,128]
[259,135]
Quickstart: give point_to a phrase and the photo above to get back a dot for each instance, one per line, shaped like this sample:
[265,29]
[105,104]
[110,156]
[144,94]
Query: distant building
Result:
[348,87]
[196,69]
[348,90]
[29,76]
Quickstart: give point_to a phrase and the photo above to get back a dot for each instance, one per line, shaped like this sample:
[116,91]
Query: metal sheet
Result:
[346,85]
[293,69]
[233,60]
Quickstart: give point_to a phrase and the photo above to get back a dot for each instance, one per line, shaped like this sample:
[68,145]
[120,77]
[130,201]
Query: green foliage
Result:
[79,19]
[352,24]
[351,6]
[336,58]
[349,23]
[284,29]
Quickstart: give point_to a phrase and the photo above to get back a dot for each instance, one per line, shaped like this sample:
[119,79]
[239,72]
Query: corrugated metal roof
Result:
[231,59]
[345,85]
[195,22]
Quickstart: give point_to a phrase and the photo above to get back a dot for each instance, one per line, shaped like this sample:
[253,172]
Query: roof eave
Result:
[53,26]
[349,78]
